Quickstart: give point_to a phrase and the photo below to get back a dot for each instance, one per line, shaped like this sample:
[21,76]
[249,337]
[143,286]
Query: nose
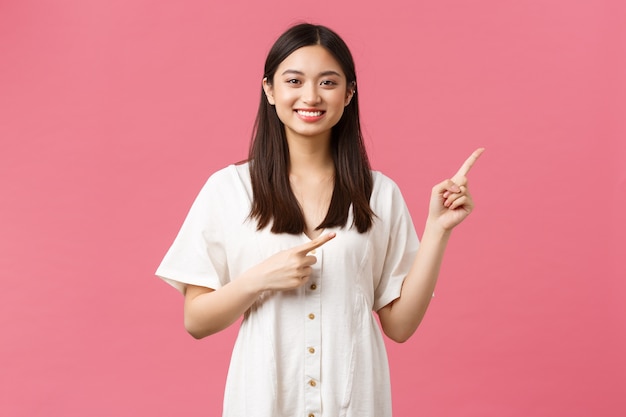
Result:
[310,95]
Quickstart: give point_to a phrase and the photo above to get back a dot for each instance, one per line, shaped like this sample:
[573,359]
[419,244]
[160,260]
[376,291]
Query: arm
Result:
[450,204]
[400,318]
[208,311]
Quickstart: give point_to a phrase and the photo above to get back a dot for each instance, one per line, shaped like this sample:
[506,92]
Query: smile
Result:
[307,113]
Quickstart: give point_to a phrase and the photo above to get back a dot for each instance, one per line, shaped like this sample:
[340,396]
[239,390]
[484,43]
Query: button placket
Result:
[313,336]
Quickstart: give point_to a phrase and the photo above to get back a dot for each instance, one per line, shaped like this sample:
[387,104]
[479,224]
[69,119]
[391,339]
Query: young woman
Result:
[305,241]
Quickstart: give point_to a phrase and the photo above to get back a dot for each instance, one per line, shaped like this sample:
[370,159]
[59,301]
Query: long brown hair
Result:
[273,199]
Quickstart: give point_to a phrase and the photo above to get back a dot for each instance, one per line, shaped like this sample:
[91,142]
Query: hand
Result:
[450,201]
[291,268]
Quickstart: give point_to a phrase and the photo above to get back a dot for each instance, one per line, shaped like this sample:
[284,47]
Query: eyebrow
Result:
[323,73]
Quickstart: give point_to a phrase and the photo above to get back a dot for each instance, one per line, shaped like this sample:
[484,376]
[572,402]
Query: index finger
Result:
[315,243]
[469,162]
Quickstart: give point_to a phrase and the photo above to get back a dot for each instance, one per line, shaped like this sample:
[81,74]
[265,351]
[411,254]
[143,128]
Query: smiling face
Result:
[309,91]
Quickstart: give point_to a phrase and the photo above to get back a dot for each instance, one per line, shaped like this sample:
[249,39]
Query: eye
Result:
[293,81]
[328,83]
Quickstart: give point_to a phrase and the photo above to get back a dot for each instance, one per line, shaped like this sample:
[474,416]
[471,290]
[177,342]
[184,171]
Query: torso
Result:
[313,195]
[356,273]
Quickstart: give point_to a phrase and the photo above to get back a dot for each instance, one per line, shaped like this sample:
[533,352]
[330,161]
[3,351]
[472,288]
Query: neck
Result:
[310,156]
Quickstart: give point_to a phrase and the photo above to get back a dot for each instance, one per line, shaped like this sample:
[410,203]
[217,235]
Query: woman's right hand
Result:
[288,269]
[208,311]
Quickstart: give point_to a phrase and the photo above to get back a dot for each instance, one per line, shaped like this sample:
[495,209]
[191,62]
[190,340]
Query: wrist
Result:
[251,282]
[435,230]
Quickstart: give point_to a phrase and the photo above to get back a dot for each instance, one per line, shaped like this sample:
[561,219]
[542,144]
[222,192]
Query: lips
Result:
[310,113]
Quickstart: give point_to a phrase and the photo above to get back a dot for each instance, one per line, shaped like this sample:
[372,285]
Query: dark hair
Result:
[273,198]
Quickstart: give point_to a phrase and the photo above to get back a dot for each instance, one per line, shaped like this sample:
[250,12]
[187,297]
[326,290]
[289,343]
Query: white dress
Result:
[315,351]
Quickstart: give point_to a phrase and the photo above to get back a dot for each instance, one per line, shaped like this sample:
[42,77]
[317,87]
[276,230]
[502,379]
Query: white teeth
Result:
[309,113]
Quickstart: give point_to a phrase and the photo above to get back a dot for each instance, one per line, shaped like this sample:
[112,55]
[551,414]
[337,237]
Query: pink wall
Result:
[113,113]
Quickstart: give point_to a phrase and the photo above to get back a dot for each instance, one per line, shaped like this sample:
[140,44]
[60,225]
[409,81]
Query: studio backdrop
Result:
[114,113]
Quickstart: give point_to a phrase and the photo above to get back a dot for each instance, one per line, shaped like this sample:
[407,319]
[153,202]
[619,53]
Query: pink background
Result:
[114,113]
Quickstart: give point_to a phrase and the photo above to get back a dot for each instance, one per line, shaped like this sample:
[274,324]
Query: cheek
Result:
[338,116]
[283,110]
[285,96]
[338,103]
[338,100]
[283,102]
[284,114]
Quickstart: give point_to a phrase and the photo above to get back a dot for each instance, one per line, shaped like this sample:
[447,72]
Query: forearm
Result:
[209,312]
[450,204]
[401,318]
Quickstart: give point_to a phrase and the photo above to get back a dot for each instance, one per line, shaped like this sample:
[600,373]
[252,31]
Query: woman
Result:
[305,241]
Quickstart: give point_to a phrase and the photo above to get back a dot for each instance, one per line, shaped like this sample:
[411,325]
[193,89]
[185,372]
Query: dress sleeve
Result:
[399,245]
[197,255]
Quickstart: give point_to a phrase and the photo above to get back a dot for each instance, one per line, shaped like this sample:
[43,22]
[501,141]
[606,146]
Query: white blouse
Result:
[317,350]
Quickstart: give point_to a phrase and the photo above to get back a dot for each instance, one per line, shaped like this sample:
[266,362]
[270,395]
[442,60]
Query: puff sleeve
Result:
[397,244]
[198,254]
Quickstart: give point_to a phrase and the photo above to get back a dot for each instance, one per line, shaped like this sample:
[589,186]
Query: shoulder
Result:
[230,176]
[231,173]
[227,186]
[386,195]
[383,184]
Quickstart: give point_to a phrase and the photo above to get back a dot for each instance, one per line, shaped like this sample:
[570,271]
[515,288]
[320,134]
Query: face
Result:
[309,91]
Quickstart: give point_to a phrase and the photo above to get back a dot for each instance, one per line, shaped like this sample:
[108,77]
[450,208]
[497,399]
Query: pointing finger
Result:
[315,243]
[469,162]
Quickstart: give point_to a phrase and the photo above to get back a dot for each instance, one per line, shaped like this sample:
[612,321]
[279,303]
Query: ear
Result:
[269,91]
[351,91]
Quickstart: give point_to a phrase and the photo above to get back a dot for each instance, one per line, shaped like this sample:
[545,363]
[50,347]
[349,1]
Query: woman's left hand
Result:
[450,201]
